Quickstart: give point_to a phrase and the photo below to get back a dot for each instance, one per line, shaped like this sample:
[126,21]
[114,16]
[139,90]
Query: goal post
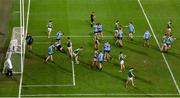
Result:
[16,51]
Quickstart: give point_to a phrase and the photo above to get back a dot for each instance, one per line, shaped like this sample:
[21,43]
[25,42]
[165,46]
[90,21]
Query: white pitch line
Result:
[45,85]
[73,74]
[170,71]
[56,95]
[21,78]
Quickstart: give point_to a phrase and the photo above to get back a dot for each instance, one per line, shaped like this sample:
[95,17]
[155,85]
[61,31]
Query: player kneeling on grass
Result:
[164,46]
[100,60]
[50,53]
[95,59]
[96,42]
[146,38]
[69,47]
[107,48]
[131,30]
[131,77]
[29,41]
[169,40]
[49,25]
[59,47]
[119,38]
[76,54]
[121,60]
[58,37]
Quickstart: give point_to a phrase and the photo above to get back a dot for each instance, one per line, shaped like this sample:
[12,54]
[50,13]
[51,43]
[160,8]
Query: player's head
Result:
[132,68]
[120,52]
[131,23]
[117,21]
[68,38]
[171,35]
[50,20]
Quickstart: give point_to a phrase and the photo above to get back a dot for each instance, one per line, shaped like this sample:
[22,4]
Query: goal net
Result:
[16,50]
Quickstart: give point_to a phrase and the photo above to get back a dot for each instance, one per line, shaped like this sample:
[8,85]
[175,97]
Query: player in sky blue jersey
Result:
[169,40]
[95,28]
[50,53]
[146,38]
[100,60]
[58,36]
[100,28]
[107,48]
[131,30]
[119,38]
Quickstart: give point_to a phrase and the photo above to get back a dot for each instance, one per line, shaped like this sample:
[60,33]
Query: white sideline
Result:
[113,94]
[21,78]
[170,71]
[45,85]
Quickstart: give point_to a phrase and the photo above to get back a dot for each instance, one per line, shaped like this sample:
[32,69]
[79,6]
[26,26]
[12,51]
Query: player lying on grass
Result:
[130,78]
[92,18]
[59,47]
[49,26]
[107,48]
[95,59]
[131,30]
[58,36]
[121,61]
[146,38]
[69,47]
[100,60]
[119,38]
[96,42]
[50,54]
[76,54]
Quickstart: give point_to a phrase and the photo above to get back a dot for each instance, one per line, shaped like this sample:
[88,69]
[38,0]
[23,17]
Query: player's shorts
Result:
[100,31]
[58,39]
[146,39]
[49,54]
[100,61]
[108,51]
[119,38]
[130,78]
[168,44]
[95,59]
[131,32]
[29,43]
[49,29]
[95,32]
[122,62]
[105,51]
[69,48]
[74,54]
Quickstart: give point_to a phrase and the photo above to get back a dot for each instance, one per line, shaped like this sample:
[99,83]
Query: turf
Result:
[72,18]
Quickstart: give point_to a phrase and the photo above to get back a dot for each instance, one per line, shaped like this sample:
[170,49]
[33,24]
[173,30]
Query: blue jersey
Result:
[58,35]
[100,57]
[50,50]
[120,34]
[147,35]
[131,28]
[95,28]
[99,27]
[169,40]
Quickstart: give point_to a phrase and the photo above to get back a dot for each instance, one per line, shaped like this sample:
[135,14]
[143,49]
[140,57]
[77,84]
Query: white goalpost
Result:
[15,53]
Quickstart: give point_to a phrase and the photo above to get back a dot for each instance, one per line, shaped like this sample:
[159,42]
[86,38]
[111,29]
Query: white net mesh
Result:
[15,50]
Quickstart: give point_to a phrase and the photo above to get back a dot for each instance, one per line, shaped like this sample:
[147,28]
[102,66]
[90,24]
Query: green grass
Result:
[72,18]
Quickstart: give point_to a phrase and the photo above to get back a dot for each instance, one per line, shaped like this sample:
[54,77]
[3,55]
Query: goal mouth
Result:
[15,51]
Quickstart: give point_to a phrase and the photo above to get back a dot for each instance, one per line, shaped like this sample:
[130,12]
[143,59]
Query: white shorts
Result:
[74,54]
[130,78]
[122,62]
[49,29]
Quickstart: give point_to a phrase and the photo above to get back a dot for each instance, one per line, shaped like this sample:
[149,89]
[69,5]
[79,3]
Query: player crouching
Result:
[76,54]
[59,47]
[131,77]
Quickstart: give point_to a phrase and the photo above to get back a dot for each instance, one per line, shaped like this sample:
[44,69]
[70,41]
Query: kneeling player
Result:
[76,54]
[59,47]
[131,77]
